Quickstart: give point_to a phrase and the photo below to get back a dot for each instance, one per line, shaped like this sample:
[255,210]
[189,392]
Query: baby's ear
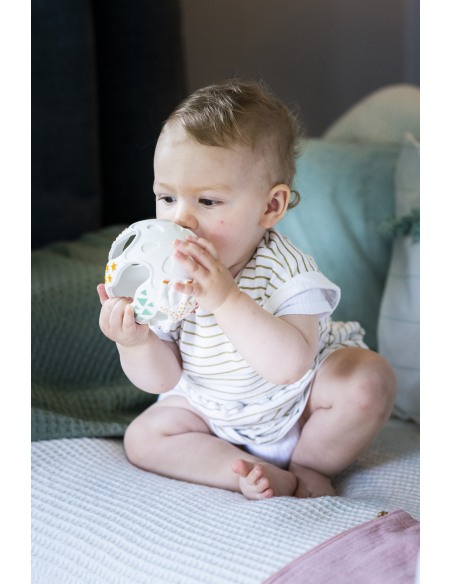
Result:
[277,203]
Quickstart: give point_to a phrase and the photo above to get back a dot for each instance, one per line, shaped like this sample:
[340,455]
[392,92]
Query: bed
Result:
[97,519]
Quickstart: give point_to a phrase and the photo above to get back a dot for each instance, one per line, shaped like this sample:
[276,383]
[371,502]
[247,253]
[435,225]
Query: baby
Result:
[260,392]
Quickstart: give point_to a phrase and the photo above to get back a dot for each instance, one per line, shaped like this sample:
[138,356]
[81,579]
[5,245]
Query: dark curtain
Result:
[104,76]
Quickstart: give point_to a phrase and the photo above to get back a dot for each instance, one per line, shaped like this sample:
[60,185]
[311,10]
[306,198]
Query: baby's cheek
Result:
[223,231]
[222,246]
[223,235]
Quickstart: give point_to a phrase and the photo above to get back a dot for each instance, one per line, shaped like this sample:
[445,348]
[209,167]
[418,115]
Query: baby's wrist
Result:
[139,342]
[230,302]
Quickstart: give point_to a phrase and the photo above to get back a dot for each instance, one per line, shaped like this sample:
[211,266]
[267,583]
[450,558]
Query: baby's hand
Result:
[211,282]
[117,320]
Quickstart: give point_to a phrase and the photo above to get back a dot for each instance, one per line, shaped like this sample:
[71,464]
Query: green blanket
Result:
[78,387]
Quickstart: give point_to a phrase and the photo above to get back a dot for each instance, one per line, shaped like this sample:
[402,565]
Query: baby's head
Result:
[245,113]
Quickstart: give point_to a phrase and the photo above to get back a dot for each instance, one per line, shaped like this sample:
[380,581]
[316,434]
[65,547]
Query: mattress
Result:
[97,519]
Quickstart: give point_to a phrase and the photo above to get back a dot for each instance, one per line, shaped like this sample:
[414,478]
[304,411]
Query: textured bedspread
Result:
[97,519]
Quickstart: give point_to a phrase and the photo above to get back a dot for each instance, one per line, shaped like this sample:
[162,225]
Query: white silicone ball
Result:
[141,265]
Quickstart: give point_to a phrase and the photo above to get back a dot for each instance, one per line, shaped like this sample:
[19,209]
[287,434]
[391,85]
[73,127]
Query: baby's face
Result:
[221,194]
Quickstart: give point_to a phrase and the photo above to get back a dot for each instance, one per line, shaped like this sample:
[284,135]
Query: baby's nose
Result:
[186,218]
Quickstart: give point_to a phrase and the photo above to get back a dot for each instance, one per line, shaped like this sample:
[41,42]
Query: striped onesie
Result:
[242,407]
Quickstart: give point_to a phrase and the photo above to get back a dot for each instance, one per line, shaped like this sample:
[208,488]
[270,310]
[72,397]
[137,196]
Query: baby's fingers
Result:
[102,293]
[132,332]
[204,244]
[128,323]
[111,316]
[201,255]
[188,287]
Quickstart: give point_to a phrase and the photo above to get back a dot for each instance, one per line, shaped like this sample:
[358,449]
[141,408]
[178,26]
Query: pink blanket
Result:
[382,551]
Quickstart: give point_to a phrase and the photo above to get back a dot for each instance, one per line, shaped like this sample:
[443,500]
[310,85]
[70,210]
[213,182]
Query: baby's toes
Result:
[262,485]
[255,475]
[267,494]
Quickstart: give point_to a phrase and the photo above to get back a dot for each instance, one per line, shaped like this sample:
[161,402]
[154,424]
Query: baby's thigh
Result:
[171,416]
[155,433]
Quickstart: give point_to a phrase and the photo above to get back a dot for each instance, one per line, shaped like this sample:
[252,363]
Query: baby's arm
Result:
[280,349]
[151,364]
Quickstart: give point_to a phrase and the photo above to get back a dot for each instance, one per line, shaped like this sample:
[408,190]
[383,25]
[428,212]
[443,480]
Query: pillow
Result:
[346,190]
[382,117]
[398,326]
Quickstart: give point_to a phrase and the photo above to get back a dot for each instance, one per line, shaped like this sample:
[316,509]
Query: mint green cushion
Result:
[78,386]
[347,190]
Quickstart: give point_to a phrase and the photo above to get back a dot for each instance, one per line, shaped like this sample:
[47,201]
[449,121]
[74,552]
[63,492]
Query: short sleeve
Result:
[313,301]
[311,292]
[171,336]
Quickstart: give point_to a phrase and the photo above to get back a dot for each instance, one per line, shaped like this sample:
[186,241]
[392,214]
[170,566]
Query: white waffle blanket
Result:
[96,519]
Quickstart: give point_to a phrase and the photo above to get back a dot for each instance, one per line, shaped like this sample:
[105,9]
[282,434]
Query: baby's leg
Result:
[351,398]
[171,439]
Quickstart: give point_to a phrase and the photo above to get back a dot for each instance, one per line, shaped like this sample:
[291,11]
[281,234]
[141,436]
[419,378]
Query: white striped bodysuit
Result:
[244,408]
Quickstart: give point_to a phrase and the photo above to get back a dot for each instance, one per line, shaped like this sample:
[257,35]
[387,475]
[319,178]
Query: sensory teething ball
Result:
[141,265]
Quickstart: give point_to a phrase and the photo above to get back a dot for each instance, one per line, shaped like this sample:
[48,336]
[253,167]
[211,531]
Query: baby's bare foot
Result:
[262,480]
[311,483]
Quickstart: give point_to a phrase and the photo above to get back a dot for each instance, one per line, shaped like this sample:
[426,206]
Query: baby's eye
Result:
[209,202]
[168,199]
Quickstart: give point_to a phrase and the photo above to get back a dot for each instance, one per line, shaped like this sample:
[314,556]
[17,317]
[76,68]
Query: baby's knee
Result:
[137,439]
[132,441]
[374,387]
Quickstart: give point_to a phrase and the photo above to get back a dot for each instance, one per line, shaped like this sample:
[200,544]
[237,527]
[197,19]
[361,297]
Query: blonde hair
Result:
[244,112]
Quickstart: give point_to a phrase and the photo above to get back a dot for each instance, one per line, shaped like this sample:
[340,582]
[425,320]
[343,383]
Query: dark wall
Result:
[320,56]
[105,75]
